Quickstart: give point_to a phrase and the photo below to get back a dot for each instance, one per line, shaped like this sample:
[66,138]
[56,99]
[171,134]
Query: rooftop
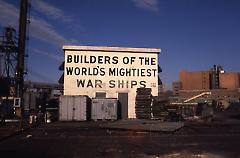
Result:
[111,49]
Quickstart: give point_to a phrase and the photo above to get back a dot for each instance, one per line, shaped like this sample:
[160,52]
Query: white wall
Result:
[104,81]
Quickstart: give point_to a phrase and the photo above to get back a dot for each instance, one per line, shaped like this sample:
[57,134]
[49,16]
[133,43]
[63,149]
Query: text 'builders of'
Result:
[110,66]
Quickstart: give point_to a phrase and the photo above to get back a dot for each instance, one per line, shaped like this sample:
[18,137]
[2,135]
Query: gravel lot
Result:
[87,139]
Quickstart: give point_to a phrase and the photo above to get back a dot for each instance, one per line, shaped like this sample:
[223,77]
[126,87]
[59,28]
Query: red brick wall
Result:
[198,80]
[229,80]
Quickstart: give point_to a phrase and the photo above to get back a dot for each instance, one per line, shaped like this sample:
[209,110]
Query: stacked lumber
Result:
[143,107]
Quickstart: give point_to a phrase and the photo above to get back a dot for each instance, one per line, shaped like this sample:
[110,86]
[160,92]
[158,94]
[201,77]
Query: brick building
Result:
[203,80]
[198,80]
[222,85]
[229,80]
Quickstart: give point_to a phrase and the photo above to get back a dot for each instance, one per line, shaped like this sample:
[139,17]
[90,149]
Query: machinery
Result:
[12,54]
[8,61]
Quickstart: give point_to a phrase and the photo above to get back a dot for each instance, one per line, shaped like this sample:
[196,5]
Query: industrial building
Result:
[229,80]
[110,72]
[198,80]
[214,84]
[37,97]
[215,78]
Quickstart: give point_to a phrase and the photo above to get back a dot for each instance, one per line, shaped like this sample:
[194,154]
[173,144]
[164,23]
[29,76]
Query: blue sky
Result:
[193,34]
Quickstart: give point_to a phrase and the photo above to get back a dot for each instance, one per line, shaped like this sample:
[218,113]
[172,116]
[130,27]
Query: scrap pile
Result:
[143,106]
[159,108]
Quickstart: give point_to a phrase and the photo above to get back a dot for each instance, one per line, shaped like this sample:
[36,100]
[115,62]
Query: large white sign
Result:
[89,71]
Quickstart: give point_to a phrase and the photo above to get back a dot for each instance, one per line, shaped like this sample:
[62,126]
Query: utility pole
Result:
[21,54]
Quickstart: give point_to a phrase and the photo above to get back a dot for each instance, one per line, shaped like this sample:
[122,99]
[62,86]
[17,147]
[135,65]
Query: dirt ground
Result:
[88,139]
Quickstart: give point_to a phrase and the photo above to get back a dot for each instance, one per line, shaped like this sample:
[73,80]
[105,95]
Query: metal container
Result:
[105,109]
[74,108]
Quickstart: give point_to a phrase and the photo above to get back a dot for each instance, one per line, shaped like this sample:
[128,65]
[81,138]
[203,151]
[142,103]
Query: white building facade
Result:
[116,72]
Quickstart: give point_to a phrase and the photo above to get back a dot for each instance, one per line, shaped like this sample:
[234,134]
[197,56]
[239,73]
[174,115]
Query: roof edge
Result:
[111,49]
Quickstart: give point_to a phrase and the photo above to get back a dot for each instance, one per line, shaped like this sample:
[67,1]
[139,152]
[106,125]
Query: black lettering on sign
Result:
[89,84]
[129,60]
[100,59]
[76,58]
[154,72]
[147,62]
[141,59]
[98,83]
[111,84]
[96,59]
[102,72]
[142,84]
[127,84]
[128,72]
[132,60]
[121,72]
[92,59]
[95,71]
[125,60]
[85,59]
[133,72]
[115,60]
[107,60]
[84,71]
[69,59]
[77,71]
[80,83]
[148,72]
[133,83]
[112,72]
[120,83]
[142,72]
[89,72]
[69,70]
[153,61]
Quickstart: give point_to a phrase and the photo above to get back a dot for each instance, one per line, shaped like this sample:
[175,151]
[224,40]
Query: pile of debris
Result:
[143,106]
[159,108]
